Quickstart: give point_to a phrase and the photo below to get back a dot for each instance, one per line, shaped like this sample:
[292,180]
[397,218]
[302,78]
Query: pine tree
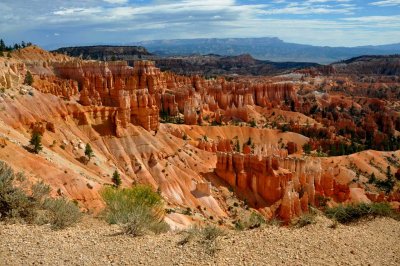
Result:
[2,45]
[116,179]
[342,149]
[89,152]
[389,173]
[333,150]
[237,146]
[36,142]
[372,179]
[28,79]
[307,148]
[249,142]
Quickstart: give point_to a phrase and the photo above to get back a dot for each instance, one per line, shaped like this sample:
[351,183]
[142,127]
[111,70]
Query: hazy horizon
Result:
[56,46]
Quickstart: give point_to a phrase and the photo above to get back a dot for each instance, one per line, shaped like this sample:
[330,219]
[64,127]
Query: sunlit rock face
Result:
[271,175]
[141,92]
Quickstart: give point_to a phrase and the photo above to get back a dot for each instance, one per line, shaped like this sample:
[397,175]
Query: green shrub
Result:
[138,209]
[89,151]
[304,220]
[38,207]
[211,232]
[255,220]
[14,203]
[354,212]
[252,221]
[307,148]
[28,79]
[207,237]
[274,221]
[322,201]
[189,235]
[40,191]
[239,225]
[36,142]
[116,179]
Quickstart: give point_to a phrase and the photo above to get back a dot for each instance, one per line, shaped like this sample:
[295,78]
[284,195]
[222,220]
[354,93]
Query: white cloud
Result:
[386,3]
[77,11]
[322,22]
[116,1]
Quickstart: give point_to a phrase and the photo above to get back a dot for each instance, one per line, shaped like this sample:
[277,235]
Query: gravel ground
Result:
[92,242]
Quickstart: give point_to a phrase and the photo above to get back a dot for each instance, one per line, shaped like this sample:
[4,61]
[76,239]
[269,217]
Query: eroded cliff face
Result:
[141,92]
[286,186]
[12,73]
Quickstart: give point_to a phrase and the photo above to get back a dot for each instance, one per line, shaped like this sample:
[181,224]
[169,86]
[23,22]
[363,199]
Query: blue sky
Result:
[54,23]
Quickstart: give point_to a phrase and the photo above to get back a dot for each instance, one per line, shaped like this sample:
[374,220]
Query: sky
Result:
[56,23]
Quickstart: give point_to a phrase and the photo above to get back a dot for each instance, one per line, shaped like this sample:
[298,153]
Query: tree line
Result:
[15,46]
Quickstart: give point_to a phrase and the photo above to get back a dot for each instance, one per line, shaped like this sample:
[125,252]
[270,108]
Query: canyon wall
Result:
[141,92]
[290,184]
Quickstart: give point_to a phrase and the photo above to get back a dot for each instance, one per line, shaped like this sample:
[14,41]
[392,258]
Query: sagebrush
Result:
[37,207]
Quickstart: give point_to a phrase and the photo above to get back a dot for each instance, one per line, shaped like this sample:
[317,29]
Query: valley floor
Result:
[92,242]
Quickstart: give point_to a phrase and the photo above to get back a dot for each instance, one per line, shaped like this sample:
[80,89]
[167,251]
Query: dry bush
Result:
[304,220]
[250,221]
[206,236]
[62,212]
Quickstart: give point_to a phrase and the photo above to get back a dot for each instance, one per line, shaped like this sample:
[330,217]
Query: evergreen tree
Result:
[36,142]
[307,148]
[116,179]
[237,146]
[249,142]
[372,179]
[333,151]
[28,79]
[89,152]
[2,45]
[342,149]
[388,184]
[388,173]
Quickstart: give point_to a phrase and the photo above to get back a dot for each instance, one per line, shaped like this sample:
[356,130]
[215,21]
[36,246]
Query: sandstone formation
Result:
[140,93]
[276,178]
[117,108]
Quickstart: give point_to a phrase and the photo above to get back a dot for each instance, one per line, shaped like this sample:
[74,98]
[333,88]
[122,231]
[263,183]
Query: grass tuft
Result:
[354,212]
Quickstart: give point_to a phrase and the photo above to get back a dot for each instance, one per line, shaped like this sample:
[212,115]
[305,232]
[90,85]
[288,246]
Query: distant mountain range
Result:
[105,52]
[266,48]
[216,65]
[208,65]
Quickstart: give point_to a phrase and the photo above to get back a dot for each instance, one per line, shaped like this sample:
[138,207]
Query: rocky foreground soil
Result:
[92,242]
